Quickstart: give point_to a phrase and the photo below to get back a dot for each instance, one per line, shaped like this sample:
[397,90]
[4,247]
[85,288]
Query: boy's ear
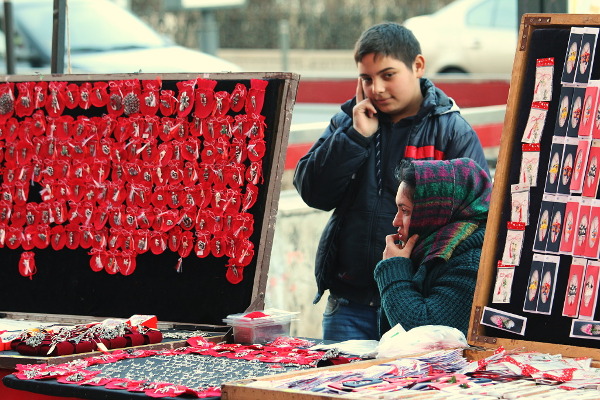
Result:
[419,66]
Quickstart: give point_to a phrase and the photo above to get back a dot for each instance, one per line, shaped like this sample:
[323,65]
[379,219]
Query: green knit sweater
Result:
[436,293]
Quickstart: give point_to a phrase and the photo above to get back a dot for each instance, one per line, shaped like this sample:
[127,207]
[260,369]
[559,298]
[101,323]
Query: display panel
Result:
[139,194]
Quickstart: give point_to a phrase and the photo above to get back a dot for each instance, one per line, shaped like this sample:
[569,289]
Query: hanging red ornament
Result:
[150,96]
[238,97]
[25,103]
[185,97]
[27,266]
[205,97]
[7,100]
[99,94]
[71,96]
[256,96]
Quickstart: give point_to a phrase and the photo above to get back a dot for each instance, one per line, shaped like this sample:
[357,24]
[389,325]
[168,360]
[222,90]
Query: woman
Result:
[429,276]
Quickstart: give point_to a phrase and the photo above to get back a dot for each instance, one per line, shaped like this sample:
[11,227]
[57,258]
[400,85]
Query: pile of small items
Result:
[446,374]
[197,370]
[83,338]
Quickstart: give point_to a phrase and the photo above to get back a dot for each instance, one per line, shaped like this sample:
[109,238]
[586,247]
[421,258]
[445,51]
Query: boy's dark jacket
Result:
[339,173]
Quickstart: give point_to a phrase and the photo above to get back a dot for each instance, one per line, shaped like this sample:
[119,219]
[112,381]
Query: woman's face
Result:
[405,208]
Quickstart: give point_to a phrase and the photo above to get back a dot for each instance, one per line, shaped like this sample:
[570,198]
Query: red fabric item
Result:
[222,103]
[238,97]
[256,96]
[99,94]
[55,104]
[255,314]
[40,94]
[132,94]
[185,99]
[27,264]
[205,97]
[85,95]
[25,102]
[7,100]
[71,96]
[234,274]
[150,96]
[167,102]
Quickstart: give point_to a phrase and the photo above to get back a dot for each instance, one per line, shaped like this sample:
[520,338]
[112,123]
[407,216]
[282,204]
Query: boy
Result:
[396,114]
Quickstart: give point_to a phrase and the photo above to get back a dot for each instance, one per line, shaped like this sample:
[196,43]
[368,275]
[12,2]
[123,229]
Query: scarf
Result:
[451,200]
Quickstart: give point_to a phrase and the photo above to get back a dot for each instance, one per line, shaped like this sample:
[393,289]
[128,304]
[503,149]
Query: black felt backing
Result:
[553,328]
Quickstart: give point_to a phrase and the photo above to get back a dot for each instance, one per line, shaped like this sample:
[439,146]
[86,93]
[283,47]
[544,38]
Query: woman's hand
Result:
[396,248]
[364,113]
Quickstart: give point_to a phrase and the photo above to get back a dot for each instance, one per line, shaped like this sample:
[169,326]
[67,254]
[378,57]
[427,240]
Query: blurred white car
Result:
[103,38]
[468,36]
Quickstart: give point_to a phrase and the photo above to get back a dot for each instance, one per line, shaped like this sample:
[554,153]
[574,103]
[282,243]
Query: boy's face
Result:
[391,86]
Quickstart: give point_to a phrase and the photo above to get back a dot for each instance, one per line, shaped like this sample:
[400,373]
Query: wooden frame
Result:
[477,335]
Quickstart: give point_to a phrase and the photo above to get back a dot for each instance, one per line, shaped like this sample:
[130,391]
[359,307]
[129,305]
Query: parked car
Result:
[102,38]
[468,36]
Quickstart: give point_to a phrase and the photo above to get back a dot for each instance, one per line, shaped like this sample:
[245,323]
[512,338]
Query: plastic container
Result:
[260,329]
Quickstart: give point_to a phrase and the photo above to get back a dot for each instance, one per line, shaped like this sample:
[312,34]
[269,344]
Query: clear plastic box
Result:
[260,330]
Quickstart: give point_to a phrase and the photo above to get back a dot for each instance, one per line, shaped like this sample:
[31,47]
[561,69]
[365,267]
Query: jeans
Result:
[345,320]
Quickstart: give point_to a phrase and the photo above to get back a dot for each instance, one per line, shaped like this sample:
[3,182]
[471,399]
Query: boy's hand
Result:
[394,249]
[364,113]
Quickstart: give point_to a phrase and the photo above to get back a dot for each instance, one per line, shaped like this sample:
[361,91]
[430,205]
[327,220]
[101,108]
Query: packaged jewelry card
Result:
[574,284]
[532,291]
[544,70]
[596,110]
[576,110]
[503,285]
[564,108]
[554,164]
[535,122]
[589,292]
[519,209]
[583,222]
[572,56]
[591,243]
[590,105]
[585,61]
[503,320]
[581,158]
[530,160]
[543,225]
[547,284]
[514,243]
[585,329]
[590,180]
[556,224]
[568,162]
[569,232]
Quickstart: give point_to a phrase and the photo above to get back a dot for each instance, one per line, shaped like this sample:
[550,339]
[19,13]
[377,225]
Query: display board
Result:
[140,194]
[538,279]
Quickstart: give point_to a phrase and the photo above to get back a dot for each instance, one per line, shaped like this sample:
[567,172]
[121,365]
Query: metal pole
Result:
[9,37]
[210,32]
[57,63]
[284,43]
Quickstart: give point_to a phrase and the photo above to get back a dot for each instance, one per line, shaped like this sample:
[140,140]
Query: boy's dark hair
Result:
[388,39]
[405,172]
